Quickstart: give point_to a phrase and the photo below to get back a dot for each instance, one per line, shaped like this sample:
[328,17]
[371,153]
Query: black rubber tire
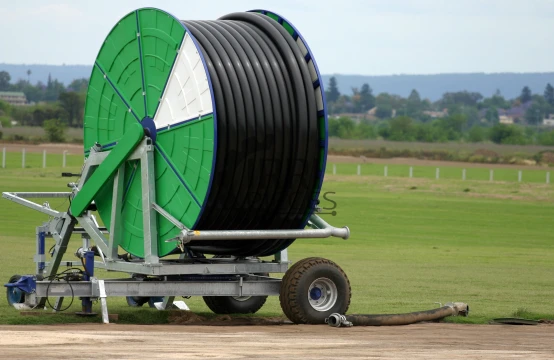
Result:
[136,301]
[294,291]
[229,305]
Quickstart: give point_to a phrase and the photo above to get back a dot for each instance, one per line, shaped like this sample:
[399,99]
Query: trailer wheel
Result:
[136,301]
[14,295]
[153,300]
[235,304]
[312,289]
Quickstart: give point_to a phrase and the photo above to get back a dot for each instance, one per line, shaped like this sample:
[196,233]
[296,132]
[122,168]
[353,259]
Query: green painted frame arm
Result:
[133,135]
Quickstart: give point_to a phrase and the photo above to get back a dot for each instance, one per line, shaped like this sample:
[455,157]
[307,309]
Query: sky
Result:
[365,37]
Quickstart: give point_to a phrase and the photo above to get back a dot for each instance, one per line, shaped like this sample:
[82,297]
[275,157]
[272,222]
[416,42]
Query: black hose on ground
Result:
[450,309]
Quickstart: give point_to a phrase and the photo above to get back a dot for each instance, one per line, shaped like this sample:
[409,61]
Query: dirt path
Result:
[422,341]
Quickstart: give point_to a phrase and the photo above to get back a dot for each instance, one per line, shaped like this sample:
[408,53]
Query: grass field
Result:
[343,144]
[33,160]
[451,172]
[414,242]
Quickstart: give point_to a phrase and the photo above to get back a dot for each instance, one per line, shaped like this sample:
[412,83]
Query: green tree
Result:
[383,111]
[333,127]
[534,114]
[53,90]
[5,80]
[402,128]
[54,129]
[5,122]
[73,104]
[367,100]
[43,112]
[549,94]
[346,128]
[414,104]
[5,108]
[497,100]
[383,130]
[332,94]
[465,98]
[452,126]
[78,85]
[492,115]
[546,138]
[507,134]
[476,134]
[365,130]
[22,114]
[429,132]
[525,95]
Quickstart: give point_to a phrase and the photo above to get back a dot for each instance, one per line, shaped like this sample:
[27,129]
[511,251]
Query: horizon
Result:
[370,37]
[333,74]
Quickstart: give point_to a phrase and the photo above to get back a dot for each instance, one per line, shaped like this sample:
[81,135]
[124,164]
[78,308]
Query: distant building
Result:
[436,114]
[516,113]
[13,98]
[372,112]
[356,117]
[504,119]
[548,121]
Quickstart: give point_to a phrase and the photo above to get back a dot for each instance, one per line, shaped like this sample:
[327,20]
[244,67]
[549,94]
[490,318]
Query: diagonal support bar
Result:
[133,135]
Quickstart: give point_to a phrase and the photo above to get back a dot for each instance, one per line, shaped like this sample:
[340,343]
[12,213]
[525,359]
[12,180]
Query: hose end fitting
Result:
[338,320]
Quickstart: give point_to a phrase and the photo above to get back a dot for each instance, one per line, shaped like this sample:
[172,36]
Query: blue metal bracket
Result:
[26,283]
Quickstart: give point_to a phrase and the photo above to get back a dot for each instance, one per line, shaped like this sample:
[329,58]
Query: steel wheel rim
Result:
[15,296]
[322,294]
[242,298]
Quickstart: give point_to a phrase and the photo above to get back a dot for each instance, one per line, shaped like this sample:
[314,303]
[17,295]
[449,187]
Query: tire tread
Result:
[288,293]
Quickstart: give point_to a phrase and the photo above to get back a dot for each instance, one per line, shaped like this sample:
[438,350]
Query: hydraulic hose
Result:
[450,309]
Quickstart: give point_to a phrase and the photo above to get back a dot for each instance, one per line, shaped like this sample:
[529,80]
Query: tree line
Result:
[457,116]
[52,100]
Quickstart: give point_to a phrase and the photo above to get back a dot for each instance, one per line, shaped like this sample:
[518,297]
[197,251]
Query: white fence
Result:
[463,173]
[24,158]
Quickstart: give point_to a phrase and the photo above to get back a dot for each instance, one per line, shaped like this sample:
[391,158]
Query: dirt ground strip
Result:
[422,341]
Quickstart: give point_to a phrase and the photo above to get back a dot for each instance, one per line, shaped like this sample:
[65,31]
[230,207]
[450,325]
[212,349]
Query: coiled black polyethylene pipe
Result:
[268,133]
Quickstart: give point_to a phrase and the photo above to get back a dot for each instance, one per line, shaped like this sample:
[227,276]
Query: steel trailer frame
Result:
[171,277]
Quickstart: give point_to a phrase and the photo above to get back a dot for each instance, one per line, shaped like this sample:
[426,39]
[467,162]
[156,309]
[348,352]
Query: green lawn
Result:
[14,160]
[445,172]
[414,242]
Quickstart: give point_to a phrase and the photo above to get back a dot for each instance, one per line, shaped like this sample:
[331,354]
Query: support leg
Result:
[89,273]
[61,232]
[58,304]
[148,212]
[103,302]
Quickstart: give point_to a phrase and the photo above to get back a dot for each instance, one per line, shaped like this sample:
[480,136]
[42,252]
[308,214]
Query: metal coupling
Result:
[338,320]
[80,253]
[459,308]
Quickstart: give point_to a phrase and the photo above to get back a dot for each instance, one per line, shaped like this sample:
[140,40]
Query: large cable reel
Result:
[236,110]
